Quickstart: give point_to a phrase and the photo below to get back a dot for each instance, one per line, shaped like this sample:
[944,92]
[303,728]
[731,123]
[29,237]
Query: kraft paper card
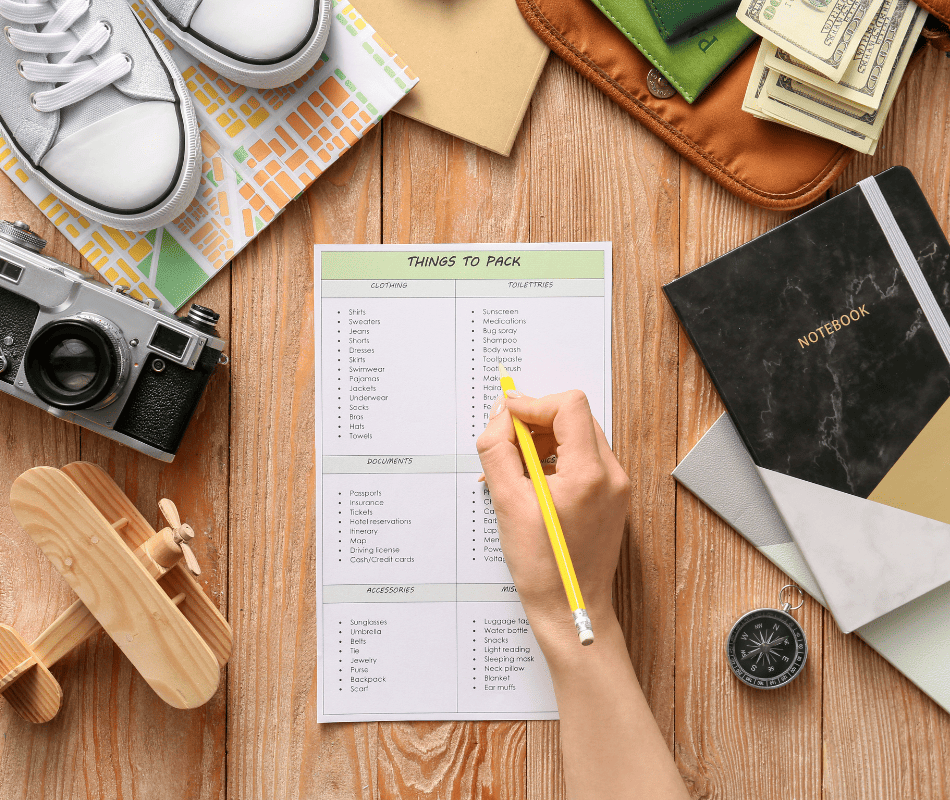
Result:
[478,62]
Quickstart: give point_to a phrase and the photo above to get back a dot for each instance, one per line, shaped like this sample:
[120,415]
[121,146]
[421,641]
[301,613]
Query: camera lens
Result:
[76,363]
[73,365]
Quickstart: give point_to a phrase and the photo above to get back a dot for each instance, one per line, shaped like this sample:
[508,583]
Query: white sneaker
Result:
[259,43]
[94,108]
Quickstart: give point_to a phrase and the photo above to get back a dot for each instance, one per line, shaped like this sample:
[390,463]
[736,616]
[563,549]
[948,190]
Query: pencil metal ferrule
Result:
[585,631]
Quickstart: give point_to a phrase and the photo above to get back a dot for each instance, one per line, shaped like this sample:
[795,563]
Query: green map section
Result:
[145,265]
[179,275]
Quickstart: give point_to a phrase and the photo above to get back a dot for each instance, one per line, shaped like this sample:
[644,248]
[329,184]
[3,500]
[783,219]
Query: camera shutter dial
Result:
[19,233]
[202,319]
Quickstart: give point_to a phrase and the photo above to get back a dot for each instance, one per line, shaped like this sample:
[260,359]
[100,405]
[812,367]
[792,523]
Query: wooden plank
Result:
[110,700]
[33,758]
[272,512]
[731,740]
[880,732]
[276,749]
[607,178]
[545,766]
[452,760]
[440,189]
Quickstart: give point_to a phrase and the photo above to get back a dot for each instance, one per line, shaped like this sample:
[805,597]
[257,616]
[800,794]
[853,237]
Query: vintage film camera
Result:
[95,356]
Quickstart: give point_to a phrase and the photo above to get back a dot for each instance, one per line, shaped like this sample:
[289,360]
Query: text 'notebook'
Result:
[828,343]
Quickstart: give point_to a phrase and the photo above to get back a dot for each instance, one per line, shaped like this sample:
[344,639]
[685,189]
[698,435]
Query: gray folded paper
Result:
[914,638]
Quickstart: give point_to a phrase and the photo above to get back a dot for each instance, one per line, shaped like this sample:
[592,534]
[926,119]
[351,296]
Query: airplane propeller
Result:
[183,533]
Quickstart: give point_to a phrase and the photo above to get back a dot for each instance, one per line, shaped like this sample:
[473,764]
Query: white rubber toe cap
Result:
[268,31]
[126,162]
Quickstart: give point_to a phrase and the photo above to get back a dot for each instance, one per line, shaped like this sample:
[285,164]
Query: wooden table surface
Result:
[581,170]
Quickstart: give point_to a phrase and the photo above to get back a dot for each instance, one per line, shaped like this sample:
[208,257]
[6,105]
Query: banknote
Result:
[838,110]
[807,98]
[758,103]
[773,95]
[813,121]
[756,88]
[822,34]
[865,79]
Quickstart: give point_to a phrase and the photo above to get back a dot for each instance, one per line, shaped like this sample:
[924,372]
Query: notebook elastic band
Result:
[908,264]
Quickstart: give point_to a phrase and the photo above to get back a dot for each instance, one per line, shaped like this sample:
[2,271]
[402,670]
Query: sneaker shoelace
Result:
[76,75]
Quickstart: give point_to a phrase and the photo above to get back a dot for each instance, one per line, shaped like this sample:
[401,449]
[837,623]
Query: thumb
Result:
[500,456]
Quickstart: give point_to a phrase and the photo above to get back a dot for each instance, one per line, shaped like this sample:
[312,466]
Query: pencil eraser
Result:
[586,637]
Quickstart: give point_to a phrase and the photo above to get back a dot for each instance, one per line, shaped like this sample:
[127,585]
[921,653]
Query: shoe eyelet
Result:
[33,102]
[19,67]
[129,59]
[6,32]
[106,24]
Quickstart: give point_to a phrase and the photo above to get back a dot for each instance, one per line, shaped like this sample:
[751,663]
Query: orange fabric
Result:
[939,8]
[761,162]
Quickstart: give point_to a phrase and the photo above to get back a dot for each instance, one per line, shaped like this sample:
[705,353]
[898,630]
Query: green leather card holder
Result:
[676,18]
[689,64]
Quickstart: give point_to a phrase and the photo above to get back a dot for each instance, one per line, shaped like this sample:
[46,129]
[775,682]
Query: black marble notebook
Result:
[816,341]
[827,339]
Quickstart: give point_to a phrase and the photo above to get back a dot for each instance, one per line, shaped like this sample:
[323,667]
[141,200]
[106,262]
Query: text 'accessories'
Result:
[261,45]
[95,110]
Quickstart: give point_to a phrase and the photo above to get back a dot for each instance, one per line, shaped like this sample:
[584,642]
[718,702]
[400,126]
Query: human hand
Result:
[590,492]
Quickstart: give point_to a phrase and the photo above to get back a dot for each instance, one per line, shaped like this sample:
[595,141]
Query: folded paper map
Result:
[261,148]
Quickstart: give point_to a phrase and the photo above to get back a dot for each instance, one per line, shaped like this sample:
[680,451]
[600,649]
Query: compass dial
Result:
[766,648]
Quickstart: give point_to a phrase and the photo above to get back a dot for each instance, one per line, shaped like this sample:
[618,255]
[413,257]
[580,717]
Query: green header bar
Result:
[462,264]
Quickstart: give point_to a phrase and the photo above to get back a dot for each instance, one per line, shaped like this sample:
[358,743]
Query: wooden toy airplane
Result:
[130,581]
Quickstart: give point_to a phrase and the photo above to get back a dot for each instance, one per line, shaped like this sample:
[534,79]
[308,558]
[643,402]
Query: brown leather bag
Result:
[764,163]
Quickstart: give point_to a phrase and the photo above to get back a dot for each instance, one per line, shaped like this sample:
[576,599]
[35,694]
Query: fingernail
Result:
[497,408]
[514,393]
[481,478]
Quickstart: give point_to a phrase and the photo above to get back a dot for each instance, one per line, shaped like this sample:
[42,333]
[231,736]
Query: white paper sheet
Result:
[417,617]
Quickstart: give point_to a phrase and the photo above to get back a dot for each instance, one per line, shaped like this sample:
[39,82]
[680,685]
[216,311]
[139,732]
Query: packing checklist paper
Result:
[418,617]
[260,149]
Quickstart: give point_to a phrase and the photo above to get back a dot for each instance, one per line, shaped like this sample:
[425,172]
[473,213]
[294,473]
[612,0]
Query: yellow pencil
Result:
[564,564]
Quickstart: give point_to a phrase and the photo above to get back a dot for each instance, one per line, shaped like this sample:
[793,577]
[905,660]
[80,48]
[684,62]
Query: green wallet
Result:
[689,64]
[675,18]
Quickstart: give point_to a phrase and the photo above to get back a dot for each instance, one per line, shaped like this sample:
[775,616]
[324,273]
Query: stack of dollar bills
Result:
[830,67]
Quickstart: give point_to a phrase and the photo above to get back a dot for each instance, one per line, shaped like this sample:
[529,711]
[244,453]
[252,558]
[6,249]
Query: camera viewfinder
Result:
[168,341]
[10,271]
